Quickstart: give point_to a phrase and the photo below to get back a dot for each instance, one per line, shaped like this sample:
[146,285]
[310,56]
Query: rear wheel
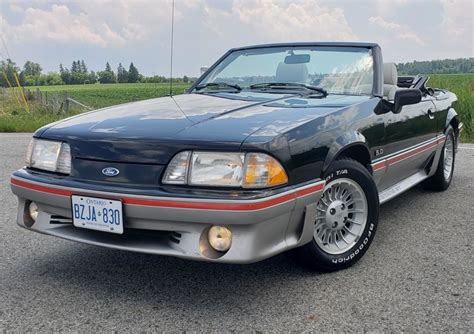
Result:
[346,219]
[444,173]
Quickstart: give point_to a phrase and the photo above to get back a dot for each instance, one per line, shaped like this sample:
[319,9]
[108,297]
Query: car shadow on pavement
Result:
[149,279]
[159,281]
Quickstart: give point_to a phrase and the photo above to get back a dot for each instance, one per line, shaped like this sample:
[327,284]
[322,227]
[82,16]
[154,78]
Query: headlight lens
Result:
[49,155]
[219,169]
[216,169]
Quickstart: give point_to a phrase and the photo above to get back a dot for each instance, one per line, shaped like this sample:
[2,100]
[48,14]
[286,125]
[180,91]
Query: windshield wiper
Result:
[288,85]
[218,86]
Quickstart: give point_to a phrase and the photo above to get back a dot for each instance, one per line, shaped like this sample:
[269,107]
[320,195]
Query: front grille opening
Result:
[172,236]
[175,237]
[58,220]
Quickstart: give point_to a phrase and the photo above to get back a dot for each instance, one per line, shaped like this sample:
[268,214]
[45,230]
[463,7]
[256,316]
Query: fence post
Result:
[66,103]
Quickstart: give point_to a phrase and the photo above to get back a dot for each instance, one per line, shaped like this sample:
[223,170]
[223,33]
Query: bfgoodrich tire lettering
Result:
[320,257]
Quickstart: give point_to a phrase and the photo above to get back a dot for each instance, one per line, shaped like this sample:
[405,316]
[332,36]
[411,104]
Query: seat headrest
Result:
[292,73]
[390,75]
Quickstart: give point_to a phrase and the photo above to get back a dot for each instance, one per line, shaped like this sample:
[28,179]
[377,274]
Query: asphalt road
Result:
[417,275]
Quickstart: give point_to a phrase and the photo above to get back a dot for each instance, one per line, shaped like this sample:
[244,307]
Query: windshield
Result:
[337,70]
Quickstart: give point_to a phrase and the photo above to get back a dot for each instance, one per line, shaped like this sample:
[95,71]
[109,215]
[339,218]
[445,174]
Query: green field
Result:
[13,118]
[99,96]
[463,86]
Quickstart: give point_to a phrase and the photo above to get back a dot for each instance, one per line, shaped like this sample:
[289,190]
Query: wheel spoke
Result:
[355,211]
[323,200]
[349,231]
[353,221]
[341,237]
[326,236]
[321,232]
[353,201]
[334,240]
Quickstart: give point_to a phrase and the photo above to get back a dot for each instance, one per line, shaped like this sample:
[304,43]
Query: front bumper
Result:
[177,226]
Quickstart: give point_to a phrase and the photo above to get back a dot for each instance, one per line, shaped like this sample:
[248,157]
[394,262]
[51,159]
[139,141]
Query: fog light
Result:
[220,238]
[33,211]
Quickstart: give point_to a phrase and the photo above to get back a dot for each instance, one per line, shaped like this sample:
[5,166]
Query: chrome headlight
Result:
[223,169]
[49,155]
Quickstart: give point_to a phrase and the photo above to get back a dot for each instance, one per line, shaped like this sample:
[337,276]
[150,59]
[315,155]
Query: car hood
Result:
[152,131]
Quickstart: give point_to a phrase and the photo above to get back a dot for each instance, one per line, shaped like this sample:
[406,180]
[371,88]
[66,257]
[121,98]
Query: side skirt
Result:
[402,186]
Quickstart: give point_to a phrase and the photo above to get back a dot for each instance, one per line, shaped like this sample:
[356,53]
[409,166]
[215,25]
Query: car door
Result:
[409,138]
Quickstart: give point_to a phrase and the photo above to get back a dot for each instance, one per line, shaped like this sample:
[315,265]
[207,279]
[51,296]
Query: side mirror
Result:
[204,69]
[405,97]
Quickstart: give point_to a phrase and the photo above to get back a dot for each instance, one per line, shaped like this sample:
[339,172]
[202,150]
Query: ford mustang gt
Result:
[275,147]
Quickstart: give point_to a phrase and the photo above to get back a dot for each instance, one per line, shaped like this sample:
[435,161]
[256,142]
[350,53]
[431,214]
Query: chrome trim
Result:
[401,187]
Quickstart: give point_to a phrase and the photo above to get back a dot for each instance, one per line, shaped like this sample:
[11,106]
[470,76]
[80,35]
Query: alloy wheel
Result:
[448,157]
[341,216]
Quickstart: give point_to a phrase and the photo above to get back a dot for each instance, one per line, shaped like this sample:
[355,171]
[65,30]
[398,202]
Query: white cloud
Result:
[378,20]
[387,7]
[111,24]
[60,25]
[300,20]
[16,8]
[396,30]
[139,30]
[457,19]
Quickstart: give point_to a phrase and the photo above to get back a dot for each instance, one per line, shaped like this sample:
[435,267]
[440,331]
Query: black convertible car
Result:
[275,147]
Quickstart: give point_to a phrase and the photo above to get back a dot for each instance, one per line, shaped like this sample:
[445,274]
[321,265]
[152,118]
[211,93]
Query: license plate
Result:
[97,214]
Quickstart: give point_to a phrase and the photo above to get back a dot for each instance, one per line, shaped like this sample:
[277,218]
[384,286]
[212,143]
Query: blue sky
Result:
[50,32]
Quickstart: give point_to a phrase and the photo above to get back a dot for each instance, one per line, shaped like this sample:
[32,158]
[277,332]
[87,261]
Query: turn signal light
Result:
[263,171]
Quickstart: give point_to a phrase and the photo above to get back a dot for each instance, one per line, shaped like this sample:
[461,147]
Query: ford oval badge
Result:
[110,171]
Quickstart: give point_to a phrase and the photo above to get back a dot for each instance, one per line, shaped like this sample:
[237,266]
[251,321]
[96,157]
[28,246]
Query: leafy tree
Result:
[185,79]
[445,66]
[50,79]
[7,70]
[133,75]
[83,67]
[107,76]
[65,74]
[92,77]
[74,67]
[31,69]
[77,75]
[122,74]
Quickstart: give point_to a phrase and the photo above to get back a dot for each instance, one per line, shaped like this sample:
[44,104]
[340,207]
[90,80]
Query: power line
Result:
[5,46]
[171,49]
[15,76]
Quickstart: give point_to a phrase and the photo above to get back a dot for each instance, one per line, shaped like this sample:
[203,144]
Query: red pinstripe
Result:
[183,204]
[393,160]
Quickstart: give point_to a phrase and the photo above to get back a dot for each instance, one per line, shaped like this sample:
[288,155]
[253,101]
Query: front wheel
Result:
[346,219]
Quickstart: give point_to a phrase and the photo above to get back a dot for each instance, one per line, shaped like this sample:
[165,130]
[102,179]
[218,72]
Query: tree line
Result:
[445,66]
[32,75]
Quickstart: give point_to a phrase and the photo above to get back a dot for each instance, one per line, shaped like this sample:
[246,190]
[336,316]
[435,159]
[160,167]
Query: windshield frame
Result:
[377,80]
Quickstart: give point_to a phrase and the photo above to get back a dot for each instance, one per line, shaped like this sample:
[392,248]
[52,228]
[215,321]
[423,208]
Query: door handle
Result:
[431,113]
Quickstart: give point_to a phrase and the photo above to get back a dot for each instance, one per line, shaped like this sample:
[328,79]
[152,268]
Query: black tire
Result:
[438,182]
[311,255]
